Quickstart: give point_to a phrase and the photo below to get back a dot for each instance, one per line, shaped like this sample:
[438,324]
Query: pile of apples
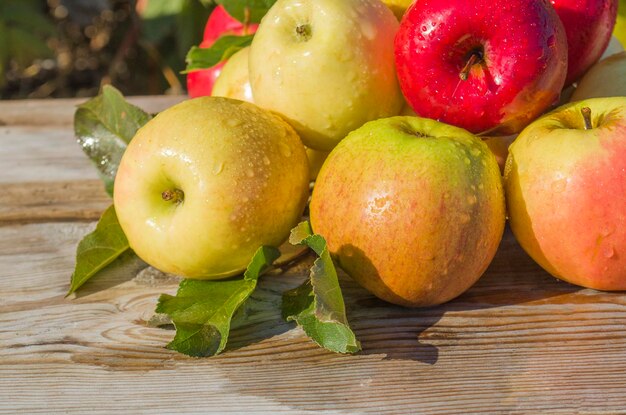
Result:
[404,118]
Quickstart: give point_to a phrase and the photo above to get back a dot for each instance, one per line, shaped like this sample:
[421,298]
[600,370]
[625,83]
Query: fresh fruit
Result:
[411,208]
[619,30]
[234,81]
[220,23]
[606,78]
[614,47]
[206,182]
[588,26]
[326,66]
[566,192]
[481,65]
[499,146]
[398,7]
[316,160]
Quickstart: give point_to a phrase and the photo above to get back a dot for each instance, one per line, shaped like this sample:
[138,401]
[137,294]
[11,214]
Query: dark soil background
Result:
[70,48]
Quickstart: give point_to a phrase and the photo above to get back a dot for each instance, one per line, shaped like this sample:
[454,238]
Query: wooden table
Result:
[519,341]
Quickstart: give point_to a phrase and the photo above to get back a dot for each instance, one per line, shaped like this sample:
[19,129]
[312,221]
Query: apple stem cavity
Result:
[304,32]
[586,111]
[474,58]
[173,195]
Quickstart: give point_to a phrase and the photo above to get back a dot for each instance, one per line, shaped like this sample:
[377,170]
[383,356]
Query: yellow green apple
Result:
[566,192]
[233,81]
[206,182]
[411,208]
[398,7]
[606,78]
[326,66]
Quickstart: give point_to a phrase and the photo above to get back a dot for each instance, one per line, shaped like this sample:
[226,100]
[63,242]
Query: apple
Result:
[588,26]
[316,161]
[481,65]
[220,23]
[206,182]
[411,208]
[326,66]
[234,81]
[566,192]
[398,7]
[499,146]
[606,78]
[614,47]
[620,26]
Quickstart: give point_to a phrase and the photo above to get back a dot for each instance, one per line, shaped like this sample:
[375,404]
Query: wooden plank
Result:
[519,341]
[56,112]
[82,200]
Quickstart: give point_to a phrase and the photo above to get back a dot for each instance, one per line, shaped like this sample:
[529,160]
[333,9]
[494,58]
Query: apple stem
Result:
[246,21]
[586,111]
[304,31]
[173,195]
[473,59]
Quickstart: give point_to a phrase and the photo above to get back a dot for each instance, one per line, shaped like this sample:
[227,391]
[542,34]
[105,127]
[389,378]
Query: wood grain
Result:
[519,341]
[56,112]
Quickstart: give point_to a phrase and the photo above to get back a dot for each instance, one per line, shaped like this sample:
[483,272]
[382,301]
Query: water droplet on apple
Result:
[250,173]
[475,152]
[467,161]
[606,231]
[233,122]
[266,161]
[285,150]
[217,168]
[472,199]
[608,252]
[245,199]
[558,186]
[480,186]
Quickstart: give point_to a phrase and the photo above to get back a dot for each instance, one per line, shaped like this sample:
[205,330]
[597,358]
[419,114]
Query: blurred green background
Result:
[69,48]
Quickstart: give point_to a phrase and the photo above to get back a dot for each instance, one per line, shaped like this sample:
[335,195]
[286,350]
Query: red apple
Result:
[588,26]
[220,23]
[481,65]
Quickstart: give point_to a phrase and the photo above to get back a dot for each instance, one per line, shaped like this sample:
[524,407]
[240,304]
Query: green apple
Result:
[619,30]
[207,182]
[326,66]
[418,217]
[606,78]
[566,192]
[234,81]
[398,7]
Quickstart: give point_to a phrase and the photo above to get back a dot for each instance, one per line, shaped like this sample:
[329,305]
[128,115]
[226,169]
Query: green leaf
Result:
[202,311]
[222,49]
[98,249]
[317,305]
[256,8]
[104,126]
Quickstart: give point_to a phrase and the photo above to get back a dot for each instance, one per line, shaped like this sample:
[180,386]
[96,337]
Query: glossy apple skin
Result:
[245,180]
[334,81]
[521,76]
[234,81]
[588,27]
[200,83]
[566,193]
[419,218]
[606,78]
